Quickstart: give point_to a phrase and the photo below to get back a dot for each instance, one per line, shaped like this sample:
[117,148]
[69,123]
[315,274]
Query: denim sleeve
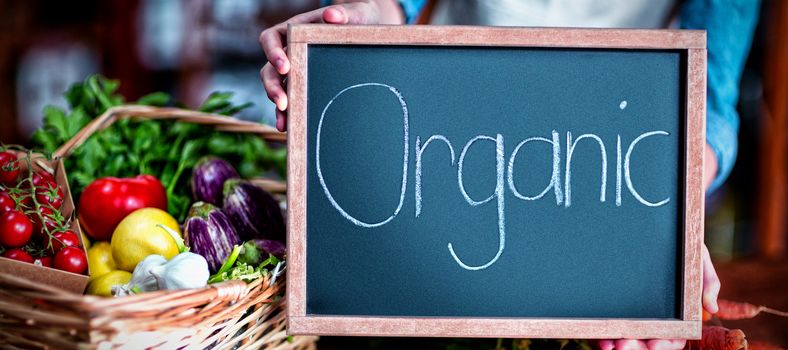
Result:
[729,25]
[410,8]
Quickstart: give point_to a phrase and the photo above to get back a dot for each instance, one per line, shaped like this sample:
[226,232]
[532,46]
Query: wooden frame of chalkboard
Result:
[692,44]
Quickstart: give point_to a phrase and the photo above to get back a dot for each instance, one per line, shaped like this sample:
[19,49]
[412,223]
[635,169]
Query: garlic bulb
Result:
[142,276]
[184,271]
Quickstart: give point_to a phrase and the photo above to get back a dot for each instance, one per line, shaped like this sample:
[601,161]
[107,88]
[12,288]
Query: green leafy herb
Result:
[162,148]
[232,269]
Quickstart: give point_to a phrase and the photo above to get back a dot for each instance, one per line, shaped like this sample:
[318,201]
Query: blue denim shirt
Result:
[729,28]
[729,25]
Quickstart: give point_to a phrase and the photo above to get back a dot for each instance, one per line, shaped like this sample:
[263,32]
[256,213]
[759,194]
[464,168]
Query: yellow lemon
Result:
[100,259]
[139,234]
[85,240]
[103,285]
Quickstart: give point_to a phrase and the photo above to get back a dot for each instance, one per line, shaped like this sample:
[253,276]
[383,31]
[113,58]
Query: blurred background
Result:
[185,48]
[190,48]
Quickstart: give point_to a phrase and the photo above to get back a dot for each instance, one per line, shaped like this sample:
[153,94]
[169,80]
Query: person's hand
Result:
[711,283]
[711,288]
[273,39]
[632,344]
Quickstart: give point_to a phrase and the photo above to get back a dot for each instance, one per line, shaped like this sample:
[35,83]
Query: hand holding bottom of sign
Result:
[711,283]
[711,288]
[347,12]
[632,344]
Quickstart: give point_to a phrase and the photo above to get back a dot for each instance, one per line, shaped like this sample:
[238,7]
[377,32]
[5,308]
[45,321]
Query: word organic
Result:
[560,187]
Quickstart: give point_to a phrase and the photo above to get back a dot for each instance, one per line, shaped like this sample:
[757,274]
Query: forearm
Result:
[710,166]
[390,12]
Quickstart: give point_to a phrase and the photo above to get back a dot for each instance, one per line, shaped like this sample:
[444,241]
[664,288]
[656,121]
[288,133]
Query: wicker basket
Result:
[228,315]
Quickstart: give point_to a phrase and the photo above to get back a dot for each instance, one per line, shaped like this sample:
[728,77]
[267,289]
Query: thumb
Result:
[711,283]
[335,15]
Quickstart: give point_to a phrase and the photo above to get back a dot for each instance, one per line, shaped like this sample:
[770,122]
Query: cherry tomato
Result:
[43,179]
[9,168]
[22,198]
[6,202]
[71,259]
[64,239]
[49,220]
[18,254]
[50,194]
[43,261]
[15,229]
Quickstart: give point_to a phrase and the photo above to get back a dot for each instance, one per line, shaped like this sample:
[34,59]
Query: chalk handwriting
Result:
[555,178]
[629,178]
[404,157]
[570,149]
[419,151]
[618,170]
[503,171]
[499,193]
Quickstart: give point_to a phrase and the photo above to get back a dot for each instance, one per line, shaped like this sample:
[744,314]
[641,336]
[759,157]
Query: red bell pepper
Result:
[106,201]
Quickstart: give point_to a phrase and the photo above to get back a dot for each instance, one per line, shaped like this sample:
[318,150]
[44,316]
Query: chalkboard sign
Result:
[464,181]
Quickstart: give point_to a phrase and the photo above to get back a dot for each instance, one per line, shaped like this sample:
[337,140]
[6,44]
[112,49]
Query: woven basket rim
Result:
[222,122]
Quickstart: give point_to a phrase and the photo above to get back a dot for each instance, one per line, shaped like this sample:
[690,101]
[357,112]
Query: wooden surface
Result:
[497,36]
[494,327]
[694,191]
[296,183]
[300,36]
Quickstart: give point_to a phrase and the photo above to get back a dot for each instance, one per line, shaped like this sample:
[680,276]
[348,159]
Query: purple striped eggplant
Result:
[208,179]
[253,211]
[256,251]
[209,233]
